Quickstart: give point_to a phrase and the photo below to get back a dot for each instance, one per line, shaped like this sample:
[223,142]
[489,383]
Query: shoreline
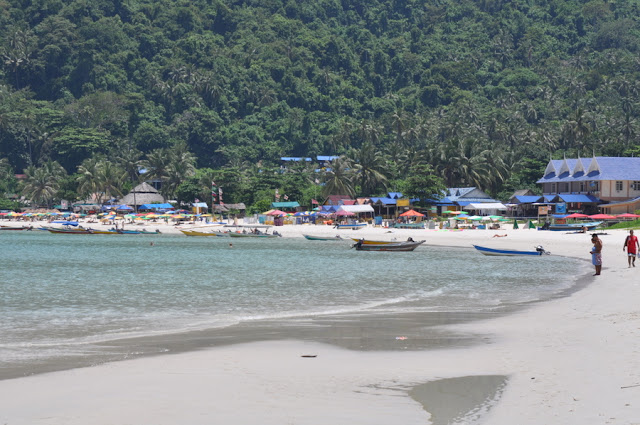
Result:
[539,341]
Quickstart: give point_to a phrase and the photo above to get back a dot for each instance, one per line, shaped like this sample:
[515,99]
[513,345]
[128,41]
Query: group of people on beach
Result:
[631,246]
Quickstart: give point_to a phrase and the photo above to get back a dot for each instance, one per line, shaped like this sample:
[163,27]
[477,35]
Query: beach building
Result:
[611,184]
[289,206]
[470,199]
[142,194]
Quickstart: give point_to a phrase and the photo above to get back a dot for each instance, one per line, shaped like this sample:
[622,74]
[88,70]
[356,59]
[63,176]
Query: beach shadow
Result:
[459,400]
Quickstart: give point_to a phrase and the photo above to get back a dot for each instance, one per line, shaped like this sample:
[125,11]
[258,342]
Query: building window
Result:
[635,185]
[618,186]
[553,188]
[581,186]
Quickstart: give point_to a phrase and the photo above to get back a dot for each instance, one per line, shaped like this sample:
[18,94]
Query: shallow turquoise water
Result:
[61,294]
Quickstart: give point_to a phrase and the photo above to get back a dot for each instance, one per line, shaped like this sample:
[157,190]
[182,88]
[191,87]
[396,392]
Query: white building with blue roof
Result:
[612,181]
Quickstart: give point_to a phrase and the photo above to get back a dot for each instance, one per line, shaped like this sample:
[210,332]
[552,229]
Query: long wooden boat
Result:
[69,231]
[252,235]
[396,246]
[198,233]
[351,226]
[324,238]
[509,252]
[575,226]
[372,242]
[13,228]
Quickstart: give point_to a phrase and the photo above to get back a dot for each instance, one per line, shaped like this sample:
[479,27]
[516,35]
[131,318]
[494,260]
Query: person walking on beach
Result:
[596,253]
[632,246]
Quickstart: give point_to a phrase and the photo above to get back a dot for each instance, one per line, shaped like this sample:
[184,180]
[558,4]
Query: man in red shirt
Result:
[631,245]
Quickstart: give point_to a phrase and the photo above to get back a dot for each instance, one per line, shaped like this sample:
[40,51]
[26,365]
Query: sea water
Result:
[66,296]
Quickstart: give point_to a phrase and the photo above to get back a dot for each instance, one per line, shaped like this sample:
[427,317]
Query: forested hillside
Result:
[483,92]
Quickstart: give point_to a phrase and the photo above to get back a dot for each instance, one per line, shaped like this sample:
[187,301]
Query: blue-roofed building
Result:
[611,182]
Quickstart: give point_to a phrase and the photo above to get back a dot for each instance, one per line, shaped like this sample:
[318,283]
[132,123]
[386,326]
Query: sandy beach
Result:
[570,360]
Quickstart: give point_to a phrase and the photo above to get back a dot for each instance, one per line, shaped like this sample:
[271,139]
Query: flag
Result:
[277,194]
[286,198]
[213,190]
[314,202]
[220,194]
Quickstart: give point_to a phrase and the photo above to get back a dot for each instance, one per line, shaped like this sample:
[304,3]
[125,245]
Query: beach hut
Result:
[142,194]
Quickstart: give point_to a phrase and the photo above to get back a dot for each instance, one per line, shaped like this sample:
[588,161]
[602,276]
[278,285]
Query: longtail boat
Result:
[539,250]
[395,246]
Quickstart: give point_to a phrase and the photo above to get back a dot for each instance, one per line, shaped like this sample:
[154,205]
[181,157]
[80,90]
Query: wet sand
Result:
[563,361]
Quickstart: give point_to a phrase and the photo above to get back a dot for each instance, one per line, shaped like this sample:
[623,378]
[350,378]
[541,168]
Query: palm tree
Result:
[88,175]
[41,184]
[110,179]
[157,164]
[370,168]
[338,179]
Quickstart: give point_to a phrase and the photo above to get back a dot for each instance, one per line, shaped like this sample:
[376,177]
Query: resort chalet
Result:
[612,182]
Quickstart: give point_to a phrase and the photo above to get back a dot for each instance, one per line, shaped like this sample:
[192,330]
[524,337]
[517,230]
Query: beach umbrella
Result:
[411,213]
[531,225]
[475,218]
[277,212]
[602,217]
[577,215]
[515,224]
[628,215]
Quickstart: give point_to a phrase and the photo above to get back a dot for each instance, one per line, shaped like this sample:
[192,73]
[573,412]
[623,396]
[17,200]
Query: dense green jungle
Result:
[411,95]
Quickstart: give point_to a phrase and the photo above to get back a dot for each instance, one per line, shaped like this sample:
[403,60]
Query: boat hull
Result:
[574,226]
[351,226]
[196,233]
[323,238]
[504,252]
[250,235]
[397,246]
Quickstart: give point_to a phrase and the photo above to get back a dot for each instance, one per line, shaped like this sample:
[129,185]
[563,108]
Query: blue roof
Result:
[200,205]
[528,199]
[326,158]
[394,195]
[567,197]
[294,158]
[155,207]
[385,201]
[610,168]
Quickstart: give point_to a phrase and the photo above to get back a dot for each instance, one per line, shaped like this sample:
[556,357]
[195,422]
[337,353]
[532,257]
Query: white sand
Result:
[567,360]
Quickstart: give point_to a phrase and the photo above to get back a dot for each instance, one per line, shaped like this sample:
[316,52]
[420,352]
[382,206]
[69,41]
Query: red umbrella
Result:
[628,215]
[411,213]
[277,212]
[577,215]
[602,217]
[341,213]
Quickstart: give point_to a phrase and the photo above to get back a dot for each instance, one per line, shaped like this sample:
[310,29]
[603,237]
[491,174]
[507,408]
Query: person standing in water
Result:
[596,253]
[631,245]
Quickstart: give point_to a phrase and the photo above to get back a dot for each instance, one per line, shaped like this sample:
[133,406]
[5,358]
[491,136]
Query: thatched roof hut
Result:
[143,194]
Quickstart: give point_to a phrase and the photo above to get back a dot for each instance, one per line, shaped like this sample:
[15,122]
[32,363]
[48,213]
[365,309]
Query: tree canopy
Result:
[471,88]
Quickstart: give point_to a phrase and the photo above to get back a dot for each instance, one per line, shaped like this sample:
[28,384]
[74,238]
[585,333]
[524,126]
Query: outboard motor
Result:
[541,250]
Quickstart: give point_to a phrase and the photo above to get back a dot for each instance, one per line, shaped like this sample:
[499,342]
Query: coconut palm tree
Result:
[369,168]
[41,184]
[88,175]
[110,179]
[338,179]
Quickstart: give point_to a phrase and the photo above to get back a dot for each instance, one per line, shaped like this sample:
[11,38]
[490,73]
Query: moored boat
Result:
[14,228]
[372,242]
[356,226]
[575,226]
[252,235]
[395,246]
[324,238]
[198,233]
[539,250]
